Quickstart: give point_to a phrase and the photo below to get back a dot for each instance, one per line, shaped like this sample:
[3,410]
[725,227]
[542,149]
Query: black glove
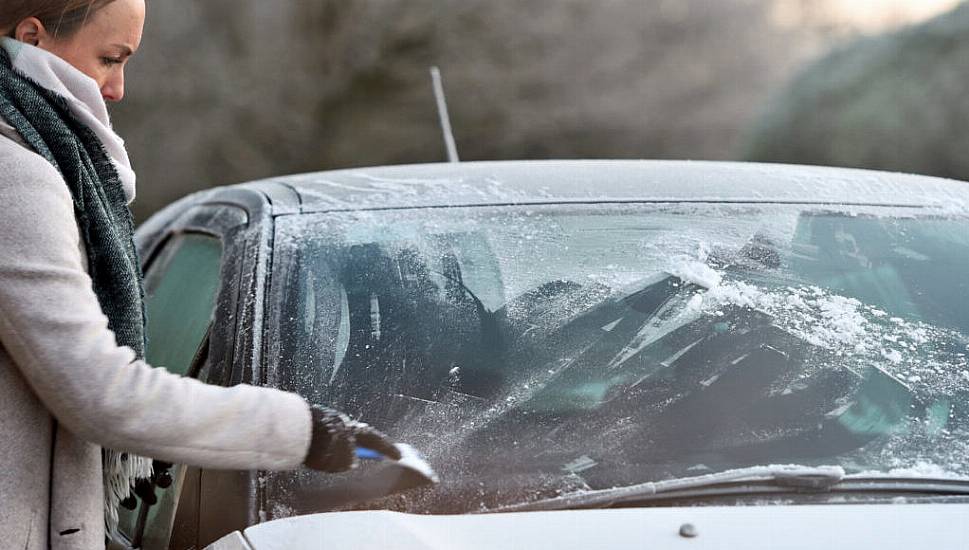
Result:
[336,437]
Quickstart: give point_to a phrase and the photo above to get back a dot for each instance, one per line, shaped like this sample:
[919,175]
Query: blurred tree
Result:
[892,102]
[231,90]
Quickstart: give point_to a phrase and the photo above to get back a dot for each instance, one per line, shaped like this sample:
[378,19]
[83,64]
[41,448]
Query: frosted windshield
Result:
[534,350]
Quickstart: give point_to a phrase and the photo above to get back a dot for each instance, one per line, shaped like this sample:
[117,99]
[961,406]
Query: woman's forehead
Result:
[120,23]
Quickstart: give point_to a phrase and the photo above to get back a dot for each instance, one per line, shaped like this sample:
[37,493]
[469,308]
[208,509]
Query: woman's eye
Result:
[108,61]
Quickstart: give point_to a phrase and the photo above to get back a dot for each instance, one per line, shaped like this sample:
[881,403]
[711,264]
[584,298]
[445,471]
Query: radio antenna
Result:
[452,149]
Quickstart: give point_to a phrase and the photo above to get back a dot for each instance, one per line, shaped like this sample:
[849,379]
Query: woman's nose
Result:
[113,89]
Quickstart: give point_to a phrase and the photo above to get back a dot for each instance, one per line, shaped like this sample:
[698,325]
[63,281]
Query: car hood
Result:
[793,527]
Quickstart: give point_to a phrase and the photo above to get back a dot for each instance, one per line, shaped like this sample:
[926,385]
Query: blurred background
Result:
[225,91]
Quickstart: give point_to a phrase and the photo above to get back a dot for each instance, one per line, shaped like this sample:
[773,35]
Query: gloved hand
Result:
[336,437]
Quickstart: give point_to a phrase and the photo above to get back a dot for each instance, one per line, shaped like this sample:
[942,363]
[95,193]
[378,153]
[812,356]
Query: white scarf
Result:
[83,96]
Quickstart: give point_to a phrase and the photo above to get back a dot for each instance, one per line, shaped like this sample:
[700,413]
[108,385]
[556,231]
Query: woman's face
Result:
[102,46]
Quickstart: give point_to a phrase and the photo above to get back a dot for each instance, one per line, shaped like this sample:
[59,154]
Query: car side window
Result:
[181,288]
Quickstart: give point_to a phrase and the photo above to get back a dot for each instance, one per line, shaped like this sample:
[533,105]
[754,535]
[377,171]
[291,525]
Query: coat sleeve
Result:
[52,325]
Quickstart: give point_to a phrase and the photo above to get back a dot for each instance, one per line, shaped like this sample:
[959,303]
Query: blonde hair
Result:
[61,18]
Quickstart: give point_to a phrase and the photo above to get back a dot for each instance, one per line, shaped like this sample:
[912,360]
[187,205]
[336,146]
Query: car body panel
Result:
[891,526]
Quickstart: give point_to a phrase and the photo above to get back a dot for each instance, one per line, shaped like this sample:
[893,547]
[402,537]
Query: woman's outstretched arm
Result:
[52,326]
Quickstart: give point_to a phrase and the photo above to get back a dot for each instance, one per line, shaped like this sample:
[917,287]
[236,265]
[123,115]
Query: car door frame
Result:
[239,219]
[228,500]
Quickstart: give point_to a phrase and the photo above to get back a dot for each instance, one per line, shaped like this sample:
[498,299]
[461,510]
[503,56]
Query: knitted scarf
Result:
[46,123]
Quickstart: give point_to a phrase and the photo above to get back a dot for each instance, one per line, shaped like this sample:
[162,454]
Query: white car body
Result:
[885,527]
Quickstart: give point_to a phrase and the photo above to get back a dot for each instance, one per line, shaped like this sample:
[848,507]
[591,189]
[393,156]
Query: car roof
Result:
[534,182]
[574,181]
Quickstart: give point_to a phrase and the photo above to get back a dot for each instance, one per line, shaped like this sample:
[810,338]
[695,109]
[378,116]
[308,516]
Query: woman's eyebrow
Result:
[126,51]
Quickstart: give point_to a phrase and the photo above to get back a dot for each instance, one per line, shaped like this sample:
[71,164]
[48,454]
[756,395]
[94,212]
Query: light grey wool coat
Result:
[67,388]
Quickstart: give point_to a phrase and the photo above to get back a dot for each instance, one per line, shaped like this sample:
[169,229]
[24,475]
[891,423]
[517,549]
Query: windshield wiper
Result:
[759,479]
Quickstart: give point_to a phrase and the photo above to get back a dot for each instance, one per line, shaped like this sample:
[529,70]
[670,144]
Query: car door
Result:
[191,296]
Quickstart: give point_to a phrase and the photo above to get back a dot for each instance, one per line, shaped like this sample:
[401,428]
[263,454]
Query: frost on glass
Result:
[537,350]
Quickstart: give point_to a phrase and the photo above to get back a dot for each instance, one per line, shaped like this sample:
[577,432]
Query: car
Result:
[591,354]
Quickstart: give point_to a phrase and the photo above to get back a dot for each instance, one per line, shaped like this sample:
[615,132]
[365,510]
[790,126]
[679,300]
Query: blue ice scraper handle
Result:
[364,453]
[410,459]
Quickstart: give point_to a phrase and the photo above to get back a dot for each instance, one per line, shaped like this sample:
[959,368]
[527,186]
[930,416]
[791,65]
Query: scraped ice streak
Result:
[838,323]
[864,336]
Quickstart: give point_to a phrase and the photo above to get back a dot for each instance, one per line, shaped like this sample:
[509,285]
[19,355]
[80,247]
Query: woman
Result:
[71,315]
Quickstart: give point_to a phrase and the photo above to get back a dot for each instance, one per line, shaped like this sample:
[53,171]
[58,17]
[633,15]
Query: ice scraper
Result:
[410,460]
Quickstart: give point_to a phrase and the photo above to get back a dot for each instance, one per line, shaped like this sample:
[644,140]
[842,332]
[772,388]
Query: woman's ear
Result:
[30,31]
